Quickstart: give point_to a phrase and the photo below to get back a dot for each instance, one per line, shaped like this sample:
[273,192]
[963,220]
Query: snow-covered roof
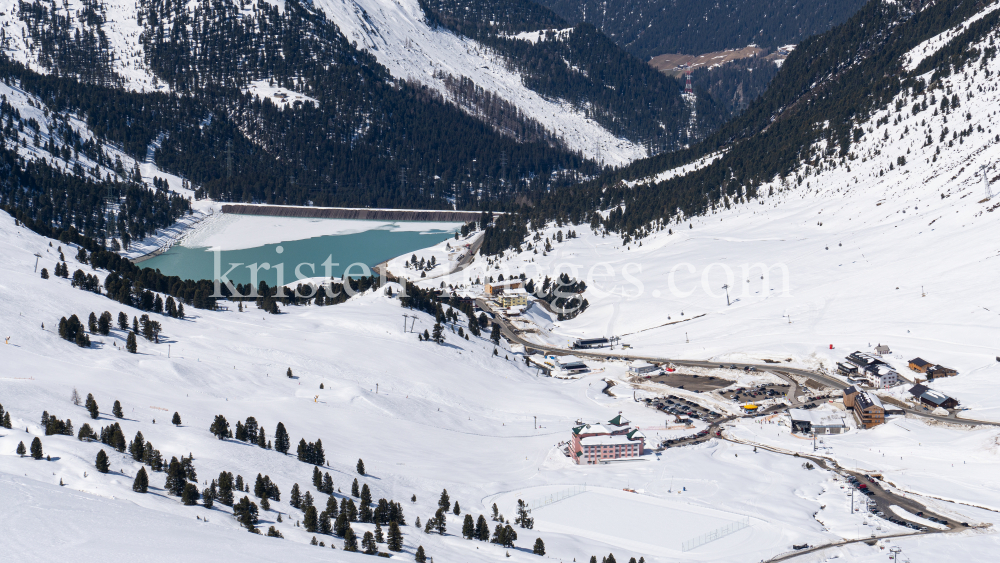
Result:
[569,361]
[816,417]
[605,440]
[635,435]
[591,429]
[866,399]
[619,421]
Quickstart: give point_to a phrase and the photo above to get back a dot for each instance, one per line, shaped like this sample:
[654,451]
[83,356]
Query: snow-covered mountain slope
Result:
[395,32]
[55,137]
[889,245]
[398,35]
[111,24]
[423,417]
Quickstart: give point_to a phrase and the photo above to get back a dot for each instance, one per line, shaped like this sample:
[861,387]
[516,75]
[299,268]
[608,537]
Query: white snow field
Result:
[451,416]
[610,513]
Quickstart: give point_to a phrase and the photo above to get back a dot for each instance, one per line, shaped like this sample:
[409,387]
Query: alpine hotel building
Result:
[600,443]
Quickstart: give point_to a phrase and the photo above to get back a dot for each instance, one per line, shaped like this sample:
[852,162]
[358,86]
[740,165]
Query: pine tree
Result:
[130,343]
[246,513]
[457,511]
[208,496]
[295,499]
[116,410]
[137,447]
[394,541]
[539,548]
[441,521]
[524,518]
[317,478]
[21,450]
[325,526]
[225,495]
[45,274]
[495,334]
[281,442]
[309,520]
[331,506]
[379,538]
[355,492]
[265,504]
[190,495]
[36,448]
[273,532]
[482,529]
[318,456]
[444,502]
[368,544]
[141,483]
[350,540]
[176,420]
[468,527]
[122,321]
[118,439]
[327,484]
[220,427]
[262,439]
[102,462]
[91,405]
[307,500]
[302,451]
[610,558]
[361,467]
[341,524]
[438,333]
[420,556]
[496,512]
[175,478]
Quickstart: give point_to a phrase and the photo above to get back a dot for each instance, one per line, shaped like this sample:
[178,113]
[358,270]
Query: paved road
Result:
[784,372]
[883,500]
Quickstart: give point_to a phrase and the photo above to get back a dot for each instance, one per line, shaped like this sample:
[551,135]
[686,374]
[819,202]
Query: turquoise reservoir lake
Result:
[368,247]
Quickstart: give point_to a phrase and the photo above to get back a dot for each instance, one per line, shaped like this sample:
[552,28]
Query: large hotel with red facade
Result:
[600,443]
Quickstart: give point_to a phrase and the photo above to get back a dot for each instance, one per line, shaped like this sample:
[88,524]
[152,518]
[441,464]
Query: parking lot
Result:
[691,382]
[683,408]
[759,393]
